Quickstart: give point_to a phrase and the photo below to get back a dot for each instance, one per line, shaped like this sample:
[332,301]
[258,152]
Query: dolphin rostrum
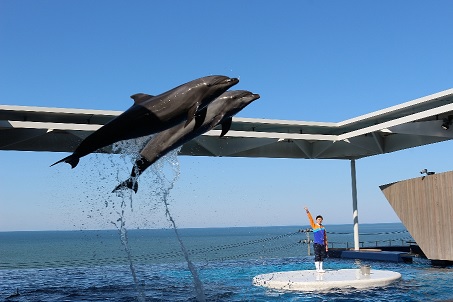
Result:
[219,112]
[152,114]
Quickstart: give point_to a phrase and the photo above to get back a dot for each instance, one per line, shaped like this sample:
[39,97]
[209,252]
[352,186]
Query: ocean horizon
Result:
[335,225]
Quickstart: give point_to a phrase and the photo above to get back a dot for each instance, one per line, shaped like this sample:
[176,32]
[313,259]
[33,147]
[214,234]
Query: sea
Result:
[199,264]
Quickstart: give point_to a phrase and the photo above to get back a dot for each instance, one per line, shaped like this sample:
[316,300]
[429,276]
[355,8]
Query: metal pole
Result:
[355,212]
[308,242]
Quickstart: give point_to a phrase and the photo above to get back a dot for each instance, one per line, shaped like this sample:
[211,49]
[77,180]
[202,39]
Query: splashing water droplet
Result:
[166,172]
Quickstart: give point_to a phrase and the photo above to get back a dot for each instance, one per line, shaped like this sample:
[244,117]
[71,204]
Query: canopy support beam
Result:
[355,212]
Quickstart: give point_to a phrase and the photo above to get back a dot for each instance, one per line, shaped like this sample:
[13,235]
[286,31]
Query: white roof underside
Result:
[407,125]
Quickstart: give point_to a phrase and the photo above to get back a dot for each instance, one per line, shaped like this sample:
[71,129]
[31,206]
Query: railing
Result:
[347,240]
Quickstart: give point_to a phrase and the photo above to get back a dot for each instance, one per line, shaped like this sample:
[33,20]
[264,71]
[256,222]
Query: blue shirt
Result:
[319,231]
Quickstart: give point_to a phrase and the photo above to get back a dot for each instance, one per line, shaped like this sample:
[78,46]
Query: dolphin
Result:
[152,114]
[219,112]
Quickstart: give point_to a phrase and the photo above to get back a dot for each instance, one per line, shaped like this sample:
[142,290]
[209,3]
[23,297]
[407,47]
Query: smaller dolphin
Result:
[152,114]
[219,112]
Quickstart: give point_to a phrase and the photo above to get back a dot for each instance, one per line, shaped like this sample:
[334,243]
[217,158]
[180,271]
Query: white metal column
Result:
[355,212]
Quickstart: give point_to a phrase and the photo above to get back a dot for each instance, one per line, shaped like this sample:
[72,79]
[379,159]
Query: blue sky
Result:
[323,61]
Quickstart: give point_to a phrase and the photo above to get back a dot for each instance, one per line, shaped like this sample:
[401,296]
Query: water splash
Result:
[100,173]
[124,241]
[201,297]
[164,184]
[130,149]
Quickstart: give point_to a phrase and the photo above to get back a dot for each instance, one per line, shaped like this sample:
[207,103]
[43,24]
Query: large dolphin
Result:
[152,114]
[219,112]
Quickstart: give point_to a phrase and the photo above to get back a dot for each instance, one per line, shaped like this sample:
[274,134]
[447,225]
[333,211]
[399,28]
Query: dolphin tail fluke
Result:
[130,184]
[71,159]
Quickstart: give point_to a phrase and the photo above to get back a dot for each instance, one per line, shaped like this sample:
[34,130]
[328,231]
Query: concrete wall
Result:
[425,207]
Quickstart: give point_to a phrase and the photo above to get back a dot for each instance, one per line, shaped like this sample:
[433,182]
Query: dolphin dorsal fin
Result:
[140,97]
[226,125]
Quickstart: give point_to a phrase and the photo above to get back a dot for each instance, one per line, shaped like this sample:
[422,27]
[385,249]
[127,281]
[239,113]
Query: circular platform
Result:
[310,280]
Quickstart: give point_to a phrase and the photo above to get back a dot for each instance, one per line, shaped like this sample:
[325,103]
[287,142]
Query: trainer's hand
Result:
[306,209]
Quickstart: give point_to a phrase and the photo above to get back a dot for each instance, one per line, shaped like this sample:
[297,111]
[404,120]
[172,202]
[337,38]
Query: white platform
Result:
[310,280]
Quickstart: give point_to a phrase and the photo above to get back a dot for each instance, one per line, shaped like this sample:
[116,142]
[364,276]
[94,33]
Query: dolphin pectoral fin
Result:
[140,97]
[129,183]
[200,117]
[226,125]
[71,159]
[191,113]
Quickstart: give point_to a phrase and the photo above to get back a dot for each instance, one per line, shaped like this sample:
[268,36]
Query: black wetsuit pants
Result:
[320,251]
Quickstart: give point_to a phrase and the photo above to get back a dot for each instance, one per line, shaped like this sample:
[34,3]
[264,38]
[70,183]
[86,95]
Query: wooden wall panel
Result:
[425,207]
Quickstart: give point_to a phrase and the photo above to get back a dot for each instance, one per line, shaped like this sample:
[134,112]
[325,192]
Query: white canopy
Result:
[403,126]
